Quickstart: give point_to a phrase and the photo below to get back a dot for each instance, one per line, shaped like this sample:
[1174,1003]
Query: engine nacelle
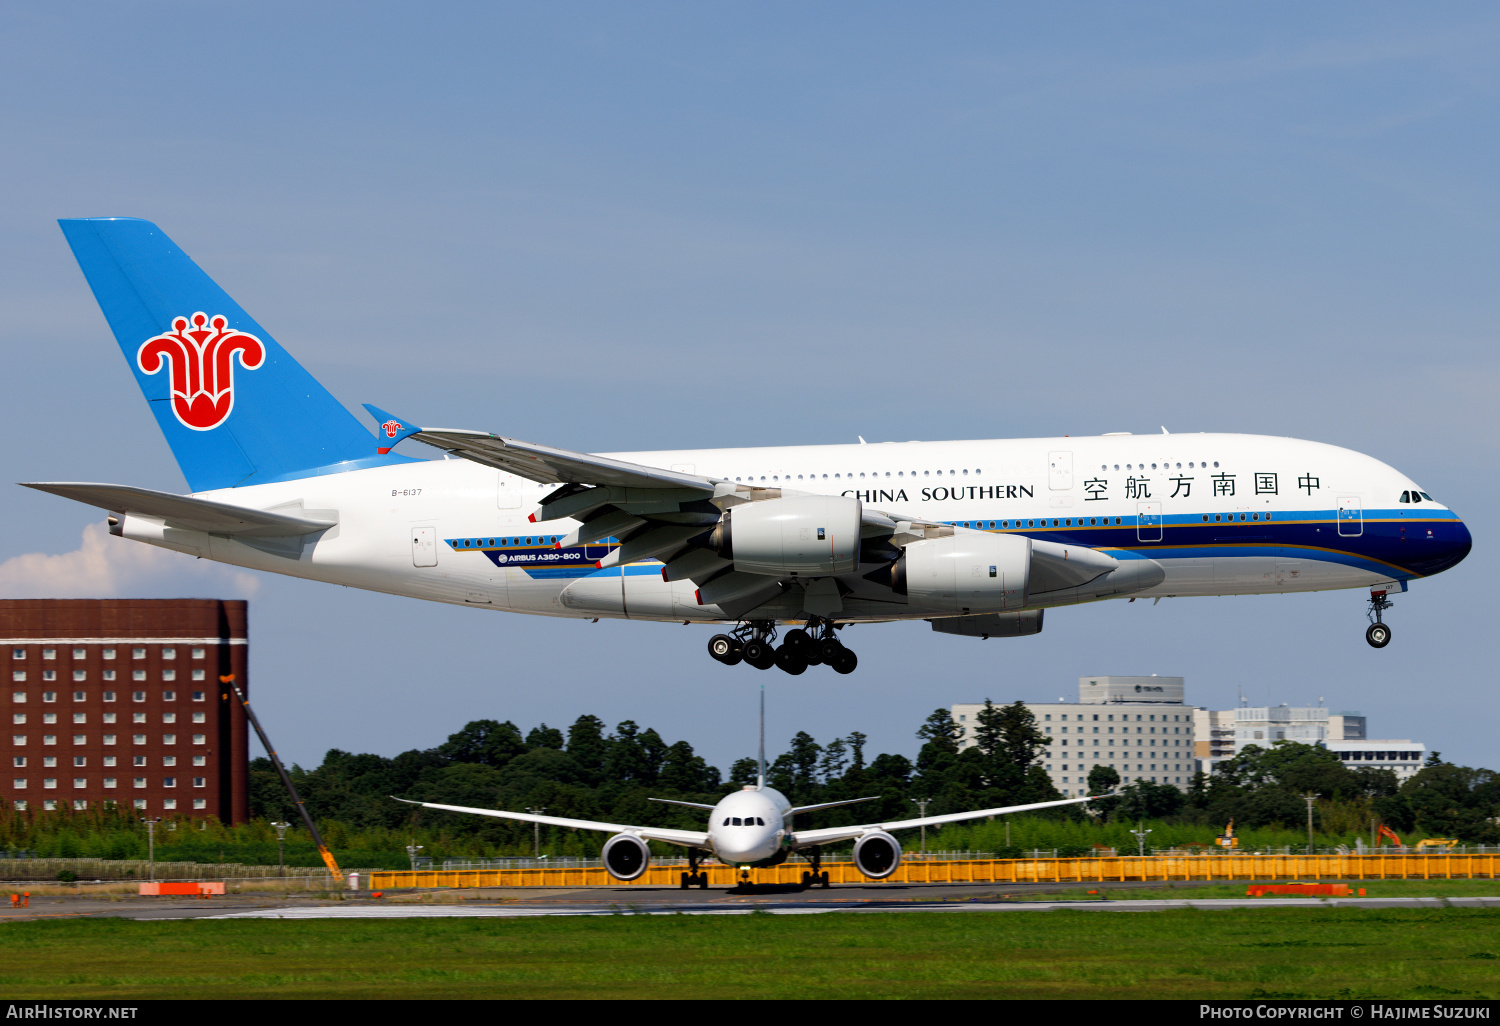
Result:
[796,534]
[626,856]
[877,854]
[967,572]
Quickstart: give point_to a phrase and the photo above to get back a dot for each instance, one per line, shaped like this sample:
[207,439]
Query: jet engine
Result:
[966,572]
[626,856]
[797,534]
[877,854]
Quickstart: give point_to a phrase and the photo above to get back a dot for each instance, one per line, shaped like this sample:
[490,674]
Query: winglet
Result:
[391,430]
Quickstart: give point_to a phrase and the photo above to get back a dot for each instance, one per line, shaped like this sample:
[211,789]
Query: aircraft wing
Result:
[185,511]
[829,835]
[686,838]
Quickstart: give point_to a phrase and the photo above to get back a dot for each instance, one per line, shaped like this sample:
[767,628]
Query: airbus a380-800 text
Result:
[978,537]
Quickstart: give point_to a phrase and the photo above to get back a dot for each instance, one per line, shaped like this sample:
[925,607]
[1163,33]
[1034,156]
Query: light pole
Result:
[281,829]
[151,843]
[1309,798]
[411,853]
[921,804]
[1140,840]
[536,833]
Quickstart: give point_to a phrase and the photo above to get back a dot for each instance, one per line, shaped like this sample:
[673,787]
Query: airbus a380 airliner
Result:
[979,537]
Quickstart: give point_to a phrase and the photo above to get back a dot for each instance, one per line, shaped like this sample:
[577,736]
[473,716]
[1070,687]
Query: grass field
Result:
[1440,953]
[1198,891]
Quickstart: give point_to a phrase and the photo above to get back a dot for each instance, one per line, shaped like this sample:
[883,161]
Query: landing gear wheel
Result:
[806,879]
[823,880]
[687,880]
[1378,635]
[829,649]
[759,654]
[799,639]
[790,659]
[725,649]
[845,661]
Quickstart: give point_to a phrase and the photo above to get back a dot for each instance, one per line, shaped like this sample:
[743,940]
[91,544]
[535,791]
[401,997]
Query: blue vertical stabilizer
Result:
[235,407]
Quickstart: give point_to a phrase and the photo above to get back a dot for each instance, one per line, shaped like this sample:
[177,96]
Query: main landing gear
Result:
[819,876]
[694,877]
[1378,634]
[754,643]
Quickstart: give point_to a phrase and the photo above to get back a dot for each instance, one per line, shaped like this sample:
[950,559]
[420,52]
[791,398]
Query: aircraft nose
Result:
[1450,542]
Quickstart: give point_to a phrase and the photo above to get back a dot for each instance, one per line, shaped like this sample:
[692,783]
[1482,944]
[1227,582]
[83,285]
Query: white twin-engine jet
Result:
[979,537]
[752,827]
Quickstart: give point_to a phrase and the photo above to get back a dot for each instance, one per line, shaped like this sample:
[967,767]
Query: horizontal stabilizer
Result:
[185,512]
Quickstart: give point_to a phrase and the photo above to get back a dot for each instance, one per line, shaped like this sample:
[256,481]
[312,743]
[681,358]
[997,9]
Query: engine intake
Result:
[626,856]
[798,534]
[877,854]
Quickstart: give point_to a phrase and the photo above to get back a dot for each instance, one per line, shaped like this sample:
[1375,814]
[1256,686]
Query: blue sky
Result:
[612,227]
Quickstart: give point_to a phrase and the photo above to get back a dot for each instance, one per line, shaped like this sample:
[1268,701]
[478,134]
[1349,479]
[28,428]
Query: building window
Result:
[49,761]
[169,675]
[198,760]
[18,739]
[49,783]
[200,739]
[169,739]
[49,717]
[139,760]
[19,760]
[109,696]
[168,781]
[108,653]
[199,717]
[49,675]
[80,675]
[80,782]
[18,717]
[200,781]
[139,739]
[169,652]
[49,653]
[137,653]
[139,803]
[169,696]
[80,803]
[109,760]
[140,781]
[18,675]
[137,696]
[169,717]
[139,717]
[21,806]
[110,717]
[109,783]
[80,717]
[18,653]
[199,675]
[138,675]
[109,674]
[50,805]
[49,739]
[80,739]
[109,739]
[198,803]
[80,653]
[169,760]
[19,783]
[198,653]
[169,803]
[197,696]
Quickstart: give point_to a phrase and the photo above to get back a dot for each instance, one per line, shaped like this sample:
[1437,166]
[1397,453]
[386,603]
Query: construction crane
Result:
[333,867]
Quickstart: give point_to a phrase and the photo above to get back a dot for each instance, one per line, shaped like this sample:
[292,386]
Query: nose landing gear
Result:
[693,877]
[1379,633]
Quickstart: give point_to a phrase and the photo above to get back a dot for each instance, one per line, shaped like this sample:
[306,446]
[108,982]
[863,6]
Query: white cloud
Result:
[107,567]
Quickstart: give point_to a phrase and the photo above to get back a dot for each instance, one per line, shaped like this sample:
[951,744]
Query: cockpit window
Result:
[1406,496]
[726,820]
[1427,497]
[759,821]
[737,821]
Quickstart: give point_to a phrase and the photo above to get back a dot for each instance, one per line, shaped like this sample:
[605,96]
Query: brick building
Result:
[119,700]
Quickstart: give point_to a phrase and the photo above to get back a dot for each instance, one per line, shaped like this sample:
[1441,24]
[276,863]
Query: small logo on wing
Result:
[199,354]
[391,428]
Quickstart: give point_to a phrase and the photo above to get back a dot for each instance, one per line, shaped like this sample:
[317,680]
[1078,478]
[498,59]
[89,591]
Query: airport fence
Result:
[1099,869]
[24,870]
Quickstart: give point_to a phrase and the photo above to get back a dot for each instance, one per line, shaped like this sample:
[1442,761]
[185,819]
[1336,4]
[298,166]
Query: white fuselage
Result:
[749,825]
[1221,514]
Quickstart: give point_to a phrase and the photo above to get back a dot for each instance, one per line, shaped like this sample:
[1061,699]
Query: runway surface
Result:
[413,911]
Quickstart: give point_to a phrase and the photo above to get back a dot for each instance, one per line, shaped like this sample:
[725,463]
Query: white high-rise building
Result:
[1138,726]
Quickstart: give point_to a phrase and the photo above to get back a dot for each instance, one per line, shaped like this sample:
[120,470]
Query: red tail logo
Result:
[392,428]
[200,366]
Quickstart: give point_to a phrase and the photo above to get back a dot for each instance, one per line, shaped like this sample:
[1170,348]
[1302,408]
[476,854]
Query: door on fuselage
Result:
[1148,521]
[1351,516]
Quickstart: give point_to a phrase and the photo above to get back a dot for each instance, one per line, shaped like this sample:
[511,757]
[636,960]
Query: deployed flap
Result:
[186,512]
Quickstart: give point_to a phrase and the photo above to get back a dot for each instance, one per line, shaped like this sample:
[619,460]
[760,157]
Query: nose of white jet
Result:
[739,844]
